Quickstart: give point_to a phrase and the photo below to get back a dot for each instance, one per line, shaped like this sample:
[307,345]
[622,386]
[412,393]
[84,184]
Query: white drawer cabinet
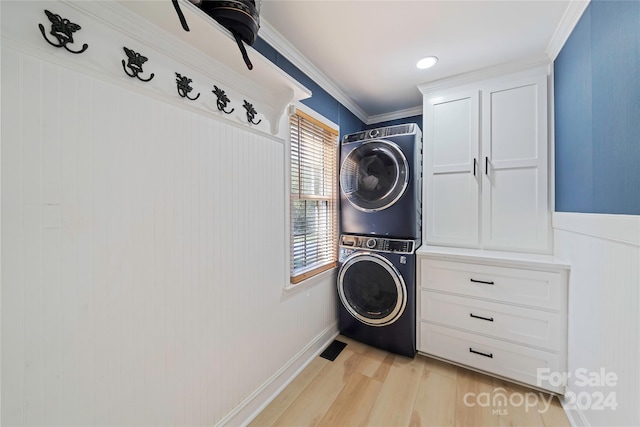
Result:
[524,287]
[502,358]
[533,327]
[500,316]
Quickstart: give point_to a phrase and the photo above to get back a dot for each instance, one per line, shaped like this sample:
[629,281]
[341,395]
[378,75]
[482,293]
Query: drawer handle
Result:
[488,319]
[482,281]
[490,355]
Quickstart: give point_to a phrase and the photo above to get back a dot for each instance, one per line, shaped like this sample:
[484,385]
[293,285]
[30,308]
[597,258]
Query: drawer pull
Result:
[490,355]
[482,281]
[488,319]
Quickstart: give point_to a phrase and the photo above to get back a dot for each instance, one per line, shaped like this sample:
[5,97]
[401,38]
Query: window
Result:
[314,205]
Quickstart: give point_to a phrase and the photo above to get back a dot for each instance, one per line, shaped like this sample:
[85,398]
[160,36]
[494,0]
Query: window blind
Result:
[314,205]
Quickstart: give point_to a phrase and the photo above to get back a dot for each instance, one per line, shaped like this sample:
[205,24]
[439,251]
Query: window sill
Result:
[311,281]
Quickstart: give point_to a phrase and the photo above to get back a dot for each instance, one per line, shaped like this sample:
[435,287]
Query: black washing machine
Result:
[380,182]
[377,292]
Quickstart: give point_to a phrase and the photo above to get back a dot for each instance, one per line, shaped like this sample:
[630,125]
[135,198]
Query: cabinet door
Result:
[515,214]
[452,172]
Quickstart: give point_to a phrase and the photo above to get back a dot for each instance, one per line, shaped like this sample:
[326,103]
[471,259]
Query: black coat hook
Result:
[62,29]
[222,101]
[251,113]
[134,62]
[184,87]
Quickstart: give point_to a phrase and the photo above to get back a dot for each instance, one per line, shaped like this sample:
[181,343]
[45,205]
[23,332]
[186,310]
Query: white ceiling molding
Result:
[286,49]
[528,64]
[568,22]
[400,114]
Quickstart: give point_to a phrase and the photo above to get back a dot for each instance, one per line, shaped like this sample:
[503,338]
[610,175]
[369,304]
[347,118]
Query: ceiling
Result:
[365,51]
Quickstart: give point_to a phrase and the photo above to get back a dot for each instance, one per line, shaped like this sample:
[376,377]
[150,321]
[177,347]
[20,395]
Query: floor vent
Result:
[334,349]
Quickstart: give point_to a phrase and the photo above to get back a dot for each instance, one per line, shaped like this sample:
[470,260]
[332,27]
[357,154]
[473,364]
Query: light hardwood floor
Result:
[366,386]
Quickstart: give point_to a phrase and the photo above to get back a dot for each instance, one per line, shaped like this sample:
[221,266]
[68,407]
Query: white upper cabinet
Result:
[486,164]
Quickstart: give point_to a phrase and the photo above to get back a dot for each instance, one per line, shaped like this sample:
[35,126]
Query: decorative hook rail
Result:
[62,29]
[134,63]
[222,101]
[184,87]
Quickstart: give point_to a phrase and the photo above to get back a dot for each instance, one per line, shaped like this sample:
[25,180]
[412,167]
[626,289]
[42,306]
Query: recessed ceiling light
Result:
[427,62]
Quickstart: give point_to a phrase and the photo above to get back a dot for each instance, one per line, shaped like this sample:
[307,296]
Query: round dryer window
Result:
[372,289]
[374,175]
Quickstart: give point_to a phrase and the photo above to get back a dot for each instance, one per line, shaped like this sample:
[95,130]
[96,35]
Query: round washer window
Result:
[374,175]
[372,289]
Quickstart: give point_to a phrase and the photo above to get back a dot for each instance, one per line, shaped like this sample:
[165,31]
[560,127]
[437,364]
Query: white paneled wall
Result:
[604,312]
[143,257]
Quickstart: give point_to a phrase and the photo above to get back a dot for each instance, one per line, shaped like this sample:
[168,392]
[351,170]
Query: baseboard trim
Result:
[249,408]
[575,415]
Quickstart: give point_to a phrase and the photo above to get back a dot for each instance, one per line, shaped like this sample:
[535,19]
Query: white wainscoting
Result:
[143,258]
[604,312]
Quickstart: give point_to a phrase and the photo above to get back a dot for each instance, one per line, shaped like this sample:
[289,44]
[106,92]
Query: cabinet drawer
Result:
[540,289]
[523,325]
[508,360]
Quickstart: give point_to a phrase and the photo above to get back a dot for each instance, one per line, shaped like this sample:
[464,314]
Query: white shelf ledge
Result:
[207,54]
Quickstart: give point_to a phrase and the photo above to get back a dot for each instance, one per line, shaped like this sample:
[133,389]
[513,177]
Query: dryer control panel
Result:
[377,244]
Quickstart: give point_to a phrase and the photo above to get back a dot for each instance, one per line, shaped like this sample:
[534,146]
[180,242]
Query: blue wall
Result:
[597,112]
[320,100]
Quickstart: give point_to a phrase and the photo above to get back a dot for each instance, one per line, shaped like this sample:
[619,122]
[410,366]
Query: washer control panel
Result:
[380,244]
[379,133]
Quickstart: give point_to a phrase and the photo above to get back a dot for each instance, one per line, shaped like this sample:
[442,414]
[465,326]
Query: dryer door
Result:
[374,175]
[372,289]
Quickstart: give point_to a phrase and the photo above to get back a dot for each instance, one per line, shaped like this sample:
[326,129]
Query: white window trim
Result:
[321,277]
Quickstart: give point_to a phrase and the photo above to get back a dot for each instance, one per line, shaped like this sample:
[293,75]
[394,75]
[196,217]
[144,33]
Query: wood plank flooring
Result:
[366,386]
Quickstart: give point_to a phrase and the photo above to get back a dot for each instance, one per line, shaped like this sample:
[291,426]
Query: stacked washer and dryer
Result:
[380,221]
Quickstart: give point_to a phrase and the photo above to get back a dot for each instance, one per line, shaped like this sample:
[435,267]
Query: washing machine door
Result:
[372,289]
[374,175]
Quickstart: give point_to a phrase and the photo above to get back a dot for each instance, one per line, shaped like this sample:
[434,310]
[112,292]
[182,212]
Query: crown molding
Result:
[400,114]
[293,55]
[569,20]
[541,61]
